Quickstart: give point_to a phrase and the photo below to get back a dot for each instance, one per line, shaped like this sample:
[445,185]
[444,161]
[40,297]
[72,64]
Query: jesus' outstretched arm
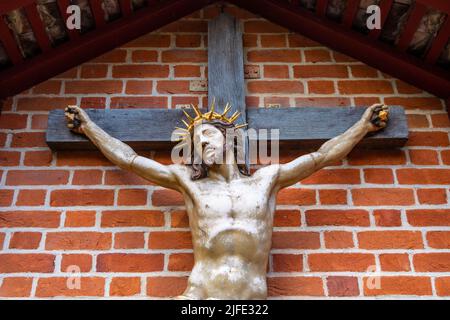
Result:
[333,150]
[118,152]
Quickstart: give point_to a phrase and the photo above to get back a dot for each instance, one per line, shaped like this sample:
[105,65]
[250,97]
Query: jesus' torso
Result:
[231,225]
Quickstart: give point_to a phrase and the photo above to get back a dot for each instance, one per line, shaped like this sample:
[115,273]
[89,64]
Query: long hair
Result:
[200,170]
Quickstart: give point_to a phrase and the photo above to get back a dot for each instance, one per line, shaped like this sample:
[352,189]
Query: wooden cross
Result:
[151,129]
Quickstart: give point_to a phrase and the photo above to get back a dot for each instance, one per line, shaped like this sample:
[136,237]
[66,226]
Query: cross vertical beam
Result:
[226,67]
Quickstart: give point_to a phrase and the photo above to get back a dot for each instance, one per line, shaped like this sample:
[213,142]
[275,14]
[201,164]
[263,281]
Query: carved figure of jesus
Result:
[230,213]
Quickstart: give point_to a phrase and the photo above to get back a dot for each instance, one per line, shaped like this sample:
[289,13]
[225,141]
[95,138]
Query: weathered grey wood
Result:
[226,64]
[150,129]
[226,67]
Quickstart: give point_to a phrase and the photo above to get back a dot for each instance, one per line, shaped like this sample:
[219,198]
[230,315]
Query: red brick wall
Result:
[388,209]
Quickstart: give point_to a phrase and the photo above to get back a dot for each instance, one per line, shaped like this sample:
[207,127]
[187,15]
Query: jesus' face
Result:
[209,143]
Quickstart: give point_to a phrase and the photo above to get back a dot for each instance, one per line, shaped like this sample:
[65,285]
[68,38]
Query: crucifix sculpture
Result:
[230,212]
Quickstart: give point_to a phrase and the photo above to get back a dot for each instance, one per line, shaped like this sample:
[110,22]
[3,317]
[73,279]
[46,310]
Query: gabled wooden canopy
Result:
[395,60]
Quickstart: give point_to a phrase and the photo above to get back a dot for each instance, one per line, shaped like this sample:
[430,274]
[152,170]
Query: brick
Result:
[187,71]
[274,55]
[372,157]
[15,287]
[426,103]
[184,55]
[176,101]
[445,154]
[298,40]
[423,176]
[38,158]
[44,103]
[273,41]
[113,56]
[403,87]
[6,197]
[429,139]
[83,262]
[79,219]
[69,74]
[121,177]
[387,218]
[29,219]
[334,176]
[379,176]
[2,240]
[317,55]
[325,262]
[78,241]
[61,287]
[167,198]
[276,71]
[13,121]
[398,285]
[432,196]
[262,26]
[417,121]
[129,197]
[293,196]
[86,197]
[320,87]
[150,40]
[123,287]
[120,262]
[139,87]
[2,139]
[28,140]
[366,101]
[322,102]
[390,240]
[85,86]
[382,196]
[33,177]
[282,101]
[170,240]
[179,219]
[87,177]
[25,240]
[48,87]
[342,286]
[9,158]
[287,262]
[144,56]
[132,218]
[338,239]
[81,158]
[188,40]
[363,71]
[140,71]
[431,262]
[438,239]
[428,217]
[443,286]
[423,157]
[172,87]
[295,240]
[166,286]
[294,286]
[93,103]
[440,120]
[18,263]
[139,102]
[181,262]
[320,71]
[394,262]
[339,57]
[365,86]
[322,217]
[287,218]
[129,240]
[89,71]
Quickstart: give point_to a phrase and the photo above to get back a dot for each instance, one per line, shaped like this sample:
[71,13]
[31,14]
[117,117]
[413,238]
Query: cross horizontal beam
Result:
[151,129]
